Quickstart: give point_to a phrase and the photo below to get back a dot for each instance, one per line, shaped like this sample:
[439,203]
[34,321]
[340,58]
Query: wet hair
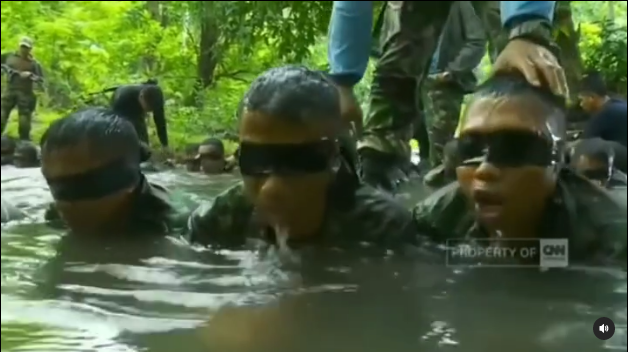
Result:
[8,143]
[294,93]
[601,150]
[214,142]
[106,134]
[515,85]
[593,84]
[28,150]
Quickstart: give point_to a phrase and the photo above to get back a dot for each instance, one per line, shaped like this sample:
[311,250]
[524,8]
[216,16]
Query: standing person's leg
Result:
[9,101]
[26,105]
[409,38]
[443,103]
[489,13]
[420,133]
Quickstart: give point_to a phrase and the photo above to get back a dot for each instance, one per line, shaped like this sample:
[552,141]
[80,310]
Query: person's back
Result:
[610,123]
[125,101]
[608,114]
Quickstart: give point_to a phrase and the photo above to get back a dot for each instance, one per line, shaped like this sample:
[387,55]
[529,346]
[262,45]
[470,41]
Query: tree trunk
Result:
[567,38]
[207,54]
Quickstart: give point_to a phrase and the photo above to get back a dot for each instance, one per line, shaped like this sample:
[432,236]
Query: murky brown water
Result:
[71,295]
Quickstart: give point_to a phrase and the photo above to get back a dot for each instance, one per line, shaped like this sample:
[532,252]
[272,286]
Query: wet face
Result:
[511,178]
[85,215]
[211,159]
[593,169]
[286,171]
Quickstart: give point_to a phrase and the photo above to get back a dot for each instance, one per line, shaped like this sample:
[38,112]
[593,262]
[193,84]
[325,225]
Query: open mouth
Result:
[488,205]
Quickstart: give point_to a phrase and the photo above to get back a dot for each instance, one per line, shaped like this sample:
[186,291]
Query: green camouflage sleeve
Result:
[443,214]
[4,57]
[223,221]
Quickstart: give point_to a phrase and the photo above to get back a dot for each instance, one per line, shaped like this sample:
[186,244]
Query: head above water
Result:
[510,148]
[192,164]
[289,152]
[593,92]
[8,149]
[90,160]
[596,159]
[211,156]
[26,46]
[26,155]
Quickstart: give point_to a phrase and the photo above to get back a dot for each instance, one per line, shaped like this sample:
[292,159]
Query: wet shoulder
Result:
[373,217]
[599,219]
[443,214]
[165,208]
[222,221]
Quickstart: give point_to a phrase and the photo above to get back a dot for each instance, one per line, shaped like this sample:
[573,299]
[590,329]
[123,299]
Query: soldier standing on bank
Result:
[22,71]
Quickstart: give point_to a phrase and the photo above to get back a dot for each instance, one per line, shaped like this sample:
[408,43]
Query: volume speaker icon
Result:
[604,329]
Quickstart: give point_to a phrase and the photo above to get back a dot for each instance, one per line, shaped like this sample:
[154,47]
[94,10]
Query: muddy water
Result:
[62,294]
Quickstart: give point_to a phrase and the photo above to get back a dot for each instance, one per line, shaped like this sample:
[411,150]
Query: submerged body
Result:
[593,220]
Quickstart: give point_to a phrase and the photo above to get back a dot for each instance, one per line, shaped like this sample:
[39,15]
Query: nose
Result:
[487,172]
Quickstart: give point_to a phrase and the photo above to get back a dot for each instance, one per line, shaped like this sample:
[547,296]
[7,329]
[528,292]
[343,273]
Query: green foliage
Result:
[606,52]
[204,53]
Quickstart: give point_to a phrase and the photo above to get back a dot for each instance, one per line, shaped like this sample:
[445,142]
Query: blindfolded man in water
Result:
[512,181]
[90,160]
[299,184]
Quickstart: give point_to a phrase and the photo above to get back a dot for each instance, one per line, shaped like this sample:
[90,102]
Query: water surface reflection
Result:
[72,294]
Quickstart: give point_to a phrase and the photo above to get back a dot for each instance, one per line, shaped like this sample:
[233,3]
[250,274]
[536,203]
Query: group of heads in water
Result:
[208,157]
[508,158]
[21,154]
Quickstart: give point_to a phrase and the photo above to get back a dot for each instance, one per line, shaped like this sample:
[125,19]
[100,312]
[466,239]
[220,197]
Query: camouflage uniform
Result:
[590,217]
[354,215]
[157,211]
[462,46]
[490,15]
[20,93]
[408,38]
[442,102]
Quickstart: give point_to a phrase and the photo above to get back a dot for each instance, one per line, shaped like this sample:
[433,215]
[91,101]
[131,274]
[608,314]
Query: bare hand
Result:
[539,65]
[25,74]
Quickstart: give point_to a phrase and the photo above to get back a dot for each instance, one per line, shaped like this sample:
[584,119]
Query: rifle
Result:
[11,72]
